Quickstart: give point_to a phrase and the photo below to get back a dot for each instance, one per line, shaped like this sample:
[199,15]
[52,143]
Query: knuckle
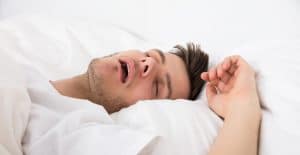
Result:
[237,56]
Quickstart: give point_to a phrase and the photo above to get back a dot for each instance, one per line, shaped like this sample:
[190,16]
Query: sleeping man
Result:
[121,79]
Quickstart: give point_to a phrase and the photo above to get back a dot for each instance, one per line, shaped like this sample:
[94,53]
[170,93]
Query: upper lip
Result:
[130,68]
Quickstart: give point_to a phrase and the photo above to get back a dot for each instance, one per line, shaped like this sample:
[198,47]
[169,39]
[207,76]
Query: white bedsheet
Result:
[14,106]
[278,66]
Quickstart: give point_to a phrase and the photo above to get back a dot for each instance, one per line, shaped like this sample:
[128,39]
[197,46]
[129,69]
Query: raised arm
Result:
[231,93]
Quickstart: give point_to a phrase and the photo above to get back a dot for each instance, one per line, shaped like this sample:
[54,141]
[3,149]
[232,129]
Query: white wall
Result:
[216,24]
[223,25]
[129,13]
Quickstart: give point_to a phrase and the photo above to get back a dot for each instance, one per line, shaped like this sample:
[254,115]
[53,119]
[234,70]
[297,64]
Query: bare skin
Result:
[232,94]
[151,75]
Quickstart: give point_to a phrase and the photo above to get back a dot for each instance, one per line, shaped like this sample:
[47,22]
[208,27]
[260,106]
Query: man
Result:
[121,79]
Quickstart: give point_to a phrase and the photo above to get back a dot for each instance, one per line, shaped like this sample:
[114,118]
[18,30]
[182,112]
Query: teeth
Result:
[127,68]
[126,71]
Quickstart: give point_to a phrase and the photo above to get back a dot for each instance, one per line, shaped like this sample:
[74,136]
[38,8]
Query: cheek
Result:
[105,69]
[141,92]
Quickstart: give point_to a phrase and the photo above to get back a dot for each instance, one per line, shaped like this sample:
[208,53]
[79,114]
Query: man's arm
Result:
[239,134]
[232,94]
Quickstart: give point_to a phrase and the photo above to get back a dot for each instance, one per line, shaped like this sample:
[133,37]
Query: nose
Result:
[147,66]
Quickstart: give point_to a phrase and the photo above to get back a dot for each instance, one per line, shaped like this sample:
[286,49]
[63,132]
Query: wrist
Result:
[247,111]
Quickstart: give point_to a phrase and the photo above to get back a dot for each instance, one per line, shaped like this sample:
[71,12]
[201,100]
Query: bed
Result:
[60,48]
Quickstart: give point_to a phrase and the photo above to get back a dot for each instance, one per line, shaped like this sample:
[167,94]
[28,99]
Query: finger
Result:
[220,70]
[222,87]
[226,77]
[226,63]
[211,91]
[232,69]
[212,74]
[241,65]
[231,63]
[223,75]
[204,76]
[238,60]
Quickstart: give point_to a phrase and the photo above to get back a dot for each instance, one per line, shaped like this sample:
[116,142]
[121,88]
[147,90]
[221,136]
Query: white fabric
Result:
[62,125]
[63,48]
[60,48]
[14,106]
[182,126]
[217,25]
[57,50]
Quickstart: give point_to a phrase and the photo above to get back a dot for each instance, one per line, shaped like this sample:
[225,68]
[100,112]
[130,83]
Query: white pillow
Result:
[182,126]
[61,48]
[14,106]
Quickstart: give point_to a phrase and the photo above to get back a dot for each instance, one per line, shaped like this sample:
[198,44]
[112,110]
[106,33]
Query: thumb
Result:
[210,92]
[212,99]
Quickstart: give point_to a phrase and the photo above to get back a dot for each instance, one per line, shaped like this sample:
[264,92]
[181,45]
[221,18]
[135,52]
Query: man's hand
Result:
[231,93]
[231,84]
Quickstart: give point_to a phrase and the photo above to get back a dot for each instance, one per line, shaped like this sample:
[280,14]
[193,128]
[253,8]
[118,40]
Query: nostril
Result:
[146,68]
[143,60]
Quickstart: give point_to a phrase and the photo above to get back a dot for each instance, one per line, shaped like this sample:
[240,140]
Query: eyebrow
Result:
[110,55]
[161,54]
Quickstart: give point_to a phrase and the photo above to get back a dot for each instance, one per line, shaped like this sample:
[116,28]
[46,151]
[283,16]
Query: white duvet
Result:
[59,49]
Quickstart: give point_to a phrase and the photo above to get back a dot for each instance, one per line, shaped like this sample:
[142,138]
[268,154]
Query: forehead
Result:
[179,76]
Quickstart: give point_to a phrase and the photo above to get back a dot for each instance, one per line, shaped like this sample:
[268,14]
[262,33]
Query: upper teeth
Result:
[127,68]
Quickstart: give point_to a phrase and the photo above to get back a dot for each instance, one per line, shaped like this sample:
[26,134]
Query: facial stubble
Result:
[99,94]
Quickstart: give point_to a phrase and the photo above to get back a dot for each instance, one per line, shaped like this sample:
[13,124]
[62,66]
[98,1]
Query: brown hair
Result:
[196,62]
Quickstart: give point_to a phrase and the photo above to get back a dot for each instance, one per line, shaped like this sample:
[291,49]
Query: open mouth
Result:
[124,71]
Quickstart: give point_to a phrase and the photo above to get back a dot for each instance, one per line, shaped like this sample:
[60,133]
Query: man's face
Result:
[120,80]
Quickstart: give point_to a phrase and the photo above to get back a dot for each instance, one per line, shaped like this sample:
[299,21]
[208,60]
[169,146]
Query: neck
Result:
[76,87]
